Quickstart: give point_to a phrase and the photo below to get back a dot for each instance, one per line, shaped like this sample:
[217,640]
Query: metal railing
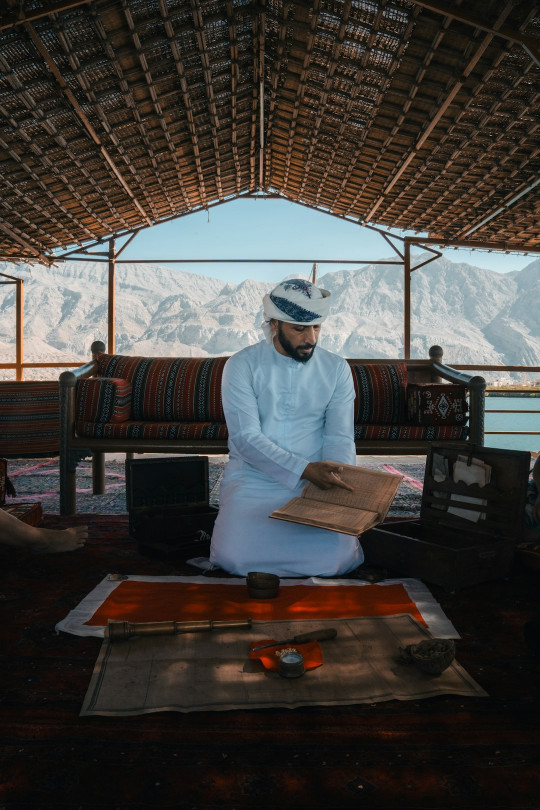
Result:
[533,392]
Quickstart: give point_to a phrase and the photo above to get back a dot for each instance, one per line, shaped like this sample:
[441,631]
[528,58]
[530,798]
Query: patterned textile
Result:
[152,430]
[170,389]
[437,404]
[380,393]
[29,418]
[102,399]
[410,432]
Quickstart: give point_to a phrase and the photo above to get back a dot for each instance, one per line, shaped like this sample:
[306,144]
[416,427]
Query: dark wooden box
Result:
[167,502]
[447,549]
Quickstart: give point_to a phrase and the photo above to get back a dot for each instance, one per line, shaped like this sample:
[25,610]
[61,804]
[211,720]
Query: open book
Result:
[342,511]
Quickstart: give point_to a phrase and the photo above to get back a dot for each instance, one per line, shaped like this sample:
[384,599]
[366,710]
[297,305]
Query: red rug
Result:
[146,602]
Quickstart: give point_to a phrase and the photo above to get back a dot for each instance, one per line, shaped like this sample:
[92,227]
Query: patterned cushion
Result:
[410,433]
[170,389]
[437,404]
[103,399]
[380,393]
[152,430]
[29,418]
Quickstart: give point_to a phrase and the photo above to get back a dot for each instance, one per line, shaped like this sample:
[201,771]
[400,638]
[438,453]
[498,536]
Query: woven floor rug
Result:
[441,753]
[38,480]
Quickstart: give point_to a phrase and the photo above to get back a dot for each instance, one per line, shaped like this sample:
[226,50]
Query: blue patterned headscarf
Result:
[295,301]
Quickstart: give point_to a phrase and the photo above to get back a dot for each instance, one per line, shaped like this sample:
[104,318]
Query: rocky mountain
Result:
[476,315]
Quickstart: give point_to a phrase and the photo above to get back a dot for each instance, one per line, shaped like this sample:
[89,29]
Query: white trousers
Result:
[246,539]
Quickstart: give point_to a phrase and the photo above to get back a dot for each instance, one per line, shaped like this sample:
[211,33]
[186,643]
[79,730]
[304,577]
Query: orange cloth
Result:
[310,651]
[183,601]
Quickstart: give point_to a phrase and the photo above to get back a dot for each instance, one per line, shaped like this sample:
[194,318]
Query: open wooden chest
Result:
[167,502]
[467,532]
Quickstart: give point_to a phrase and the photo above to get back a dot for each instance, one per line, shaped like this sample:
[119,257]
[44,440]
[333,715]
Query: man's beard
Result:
[292,351]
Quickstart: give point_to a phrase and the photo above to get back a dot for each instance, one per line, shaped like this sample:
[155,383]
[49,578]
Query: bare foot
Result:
[55,541]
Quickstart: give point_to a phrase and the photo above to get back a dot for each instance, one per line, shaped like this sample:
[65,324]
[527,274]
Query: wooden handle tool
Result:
[315,635]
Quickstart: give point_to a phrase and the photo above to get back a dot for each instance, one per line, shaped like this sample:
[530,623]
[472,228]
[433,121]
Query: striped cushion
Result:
[410,433]
[380,393]
[102,399]
[170,389]
[29,418]
[152,430]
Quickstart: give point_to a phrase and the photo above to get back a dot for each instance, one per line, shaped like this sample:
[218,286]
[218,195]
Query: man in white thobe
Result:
[289,411]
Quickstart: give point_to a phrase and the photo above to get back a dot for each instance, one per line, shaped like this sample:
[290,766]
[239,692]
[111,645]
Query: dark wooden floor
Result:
[445,752]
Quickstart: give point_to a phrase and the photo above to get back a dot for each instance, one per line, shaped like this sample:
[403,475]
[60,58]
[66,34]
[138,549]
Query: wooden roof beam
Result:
[209,89]
[453,180]
[504,207]
[323,98]
[28,101]
[374,103]
[479,244]
[495,169]
[443,107]
[301,86]
[531,45]
[235,82]
[40,184]
[188,106]
[49,61]
[132,106]
[32,249]
[260,76]
[18,17]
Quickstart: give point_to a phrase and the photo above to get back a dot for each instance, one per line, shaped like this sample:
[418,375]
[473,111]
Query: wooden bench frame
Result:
[73,448]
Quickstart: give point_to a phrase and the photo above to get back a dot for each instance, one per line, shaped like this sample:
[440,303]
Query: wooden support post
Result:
[98,473]
[19,371]
[112,304]
[407,302]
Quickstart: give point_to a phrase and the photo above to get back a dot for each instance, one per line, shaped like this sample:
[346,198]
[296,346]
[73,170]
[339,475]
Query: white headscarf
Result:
[295,301]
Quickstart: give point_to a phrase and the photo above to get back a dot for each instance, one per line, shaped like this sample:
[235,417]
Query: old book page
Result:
[342,511]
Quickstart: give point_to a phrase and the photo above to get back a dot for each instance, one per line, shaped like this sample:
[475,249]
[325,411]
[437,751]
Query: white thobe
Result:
[281,415]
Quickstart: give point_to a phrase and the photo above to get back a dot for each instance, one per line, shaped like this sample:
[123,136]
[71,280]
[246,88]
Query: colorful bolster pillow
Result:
[103,399]
[181,389]
[381,393]
[437,404]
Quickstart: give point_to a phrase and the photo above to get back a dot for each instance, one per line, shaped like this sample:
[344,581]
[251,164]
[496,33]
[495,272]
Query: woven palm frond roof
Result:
[119,114]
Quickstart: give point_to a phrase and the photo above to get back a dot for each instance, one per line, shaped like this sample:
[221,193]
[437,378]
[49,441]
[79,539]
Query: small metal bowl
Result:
[261,585]
[291,664]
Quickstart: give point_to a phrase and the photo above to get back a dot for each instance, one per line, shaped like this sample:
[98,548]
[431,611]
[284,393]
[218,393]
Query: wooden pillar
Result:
[19,373]
[112,304]
[98,473]
[407,301]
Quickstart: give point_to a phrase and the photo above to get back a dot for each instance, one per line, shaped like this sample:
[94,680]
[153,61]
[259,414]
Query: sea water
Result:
[512,421]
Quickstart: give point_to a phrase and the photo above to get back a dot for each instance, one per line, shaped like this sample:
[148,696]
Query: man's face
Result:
[296,341]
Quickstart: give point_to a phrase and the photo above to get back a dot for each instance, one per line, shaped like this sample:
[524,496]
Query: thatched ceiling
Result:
[117,114]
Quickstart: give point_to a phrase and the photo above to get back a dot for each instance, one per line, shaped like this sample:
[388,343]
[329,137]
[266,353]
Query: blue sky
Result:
[277,229]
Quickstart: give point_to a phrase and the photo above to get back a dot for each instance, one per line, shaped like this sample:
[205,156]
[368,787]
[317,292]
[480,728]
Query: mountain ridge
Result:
[478,316]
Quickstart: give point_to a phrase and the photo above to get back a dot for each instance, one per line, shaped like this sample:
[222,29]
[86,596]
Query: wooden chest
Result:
[167,502]
[467,532]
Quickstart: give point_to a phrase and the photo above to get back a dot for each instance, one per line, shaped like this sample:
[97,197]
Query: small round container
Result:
[261,585]
[291,664]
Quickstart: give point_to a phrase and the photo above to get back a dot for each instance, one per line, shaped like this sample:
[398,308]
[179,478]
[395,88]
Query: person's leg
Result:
[14,532]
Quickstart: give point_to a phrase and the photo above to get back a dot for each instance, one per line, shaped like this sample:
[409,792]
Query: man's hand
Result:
[325,474]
